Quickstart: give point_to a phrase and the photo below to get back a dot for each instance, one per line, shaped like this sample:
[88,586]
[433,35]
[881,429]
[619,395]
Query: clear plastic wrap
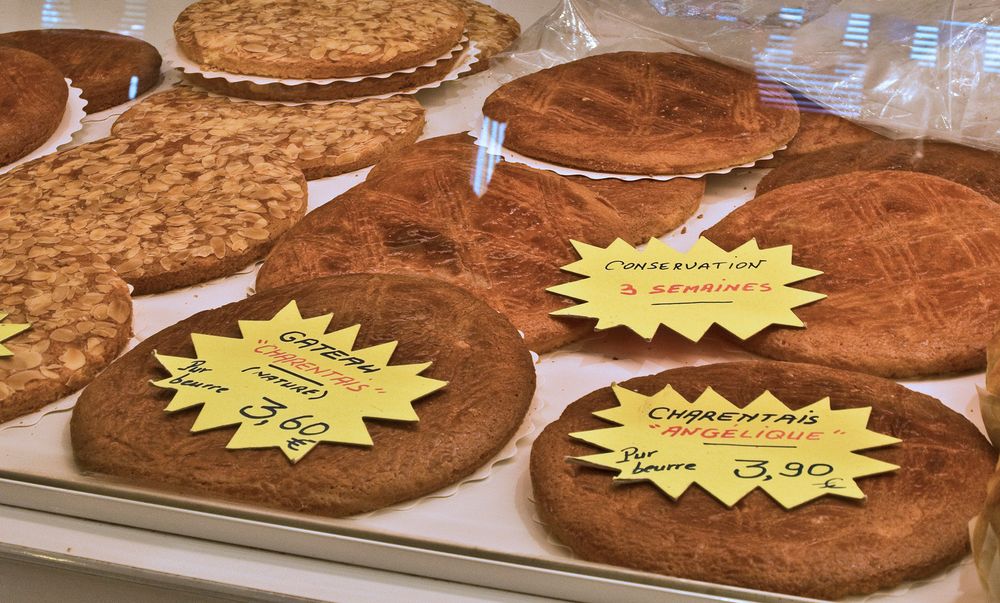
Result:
[985,529]
[905,68]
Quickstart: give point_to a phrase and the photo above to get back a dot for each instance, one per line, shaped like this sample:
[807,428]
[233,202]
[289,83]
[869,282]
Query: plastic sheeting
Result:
[985,529]
[905,68]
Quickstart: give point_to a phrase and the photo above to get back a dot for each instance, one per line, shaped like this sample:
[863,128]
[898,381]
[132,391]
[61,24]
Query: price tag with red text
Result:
[287,383]
[743,291]
[793,455]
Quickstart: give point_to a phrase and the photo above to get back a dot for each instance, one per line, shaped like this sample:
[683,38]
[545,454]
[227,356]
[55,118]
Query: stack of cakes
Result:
[318,50]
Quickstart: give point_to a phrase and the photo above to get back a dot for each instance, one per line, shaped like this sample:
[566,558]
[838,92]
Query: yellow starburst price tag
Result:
[793,455]
[8,331]
[289,384]
[743,291]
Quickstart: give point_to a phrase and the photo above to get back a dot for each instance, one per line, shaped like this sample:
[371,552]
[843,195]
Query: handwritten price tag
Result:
[744,290]
[289,384]
[793,455]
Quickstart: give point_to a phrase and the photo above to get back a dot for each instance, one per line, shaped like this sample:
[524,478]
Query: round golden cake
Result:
[418,213]
[642,113]
[119,426]
[649,208]
[913,523]
[322,140]
[33,97]
[491,30]
[79,310]
[819,131]
[403,83]
[109,68]
[967,166]
[911,267]
[316,39]
[164,211]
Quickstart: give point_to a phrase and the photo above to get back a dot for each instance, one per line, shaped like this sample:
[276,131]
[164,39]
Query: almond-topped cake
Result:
[163,211]
[993,364]
[322,140]
[404,82]
[77,311]
[317,39]
[491,30]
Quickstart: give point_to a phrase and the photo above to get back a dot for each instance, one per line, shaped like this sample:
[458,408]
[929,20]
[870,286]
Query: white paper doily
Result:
[30,420]
[172,53]
[71,123]
[463,65]
[494,146]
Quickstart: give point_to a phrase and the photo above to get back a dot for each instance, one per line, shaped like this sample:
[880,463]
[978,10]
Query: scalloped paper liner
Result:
[549,538]
[463,65]
[476,131]
[30,420]
[71,123]
[903,591]
[173,54]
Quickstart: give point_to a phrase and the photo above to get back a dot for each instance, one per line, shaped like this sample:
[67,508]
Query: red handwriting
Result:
[276,355]
[713,433]
[629,289]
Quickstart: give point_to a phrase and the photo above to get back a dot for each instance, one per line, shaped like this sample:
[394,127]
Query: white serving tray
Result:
[484,533]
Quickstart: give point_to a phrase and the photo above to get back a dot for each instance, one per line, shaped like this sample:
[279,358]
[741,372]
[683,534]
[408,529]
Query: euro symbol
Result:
[830,484]
[294,443]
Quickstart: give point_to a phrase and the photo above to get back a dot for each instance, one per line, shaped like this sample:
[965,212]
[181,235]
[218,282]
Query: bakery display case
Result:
[573,300]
